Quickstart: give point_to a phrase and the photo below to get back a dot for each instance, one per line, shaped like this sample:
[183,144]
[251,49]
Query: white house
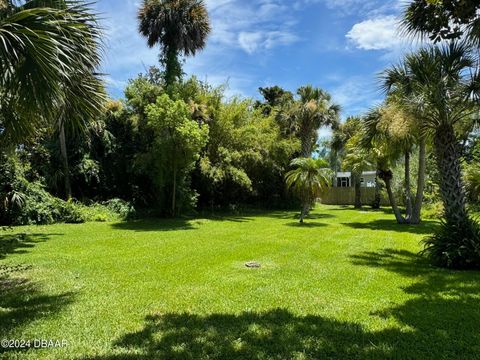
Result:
[344,179]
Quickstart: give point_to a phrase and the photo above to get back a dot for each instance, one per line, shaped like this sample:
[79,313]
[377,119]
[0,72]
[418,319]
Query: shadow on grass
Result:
[426,227]
[439,321]
[186,223]
[305,225]
[280,334]
[21,300]
[19,243]
[365,208]
[296,215]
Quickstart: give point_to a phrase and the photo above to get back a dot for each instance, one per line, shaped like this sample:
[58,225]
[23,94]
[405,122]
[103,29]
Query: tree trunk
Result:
[422,163]
[377,201]
[63,152]
[358,191]
[408,190]
[447,152]
[304,212]
[173,69]
[387,177]
[174,188]
[306,145]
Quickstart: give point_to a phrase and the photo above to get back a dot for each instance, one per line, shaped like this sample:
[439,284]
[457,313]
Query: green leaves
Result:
[309,178]
[48,56]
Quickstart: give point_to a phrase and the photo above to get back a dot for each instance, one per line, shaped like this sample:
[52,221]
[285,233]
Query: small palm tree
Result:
[180,27]
[309,178]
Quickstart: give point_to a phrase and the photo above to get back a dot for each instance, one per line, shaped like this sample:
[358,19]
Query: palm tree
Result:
[357,160]
[180,27]
[46,46]
[440,83]
[385,151]
[314,110]
[309,178]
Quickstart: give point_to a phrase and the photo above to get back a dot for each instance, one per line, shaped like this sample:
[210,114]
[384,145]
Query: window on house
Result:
[343,182]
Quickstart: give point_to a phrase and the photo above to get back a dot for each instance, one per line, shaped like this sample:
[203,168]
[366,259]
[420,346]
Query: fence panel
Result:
[346,196]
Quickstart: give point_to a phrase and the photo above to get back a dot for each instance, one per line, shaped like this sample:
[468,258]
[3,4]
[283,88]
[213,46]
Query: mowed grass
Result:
[348,284]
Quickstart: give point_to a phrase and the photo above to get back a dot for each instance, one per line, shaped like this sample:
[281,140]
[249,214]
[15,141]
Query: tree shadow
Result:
[426,227]
[296,215]
[22,301]
[305,225]
[445,309]
[439,321]
[365,208]
[11,243]
[175,224]
[274,334]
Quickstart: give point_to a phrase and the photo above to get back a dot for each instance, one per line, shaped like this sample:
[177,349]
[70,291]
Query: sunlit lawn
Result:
[348,284]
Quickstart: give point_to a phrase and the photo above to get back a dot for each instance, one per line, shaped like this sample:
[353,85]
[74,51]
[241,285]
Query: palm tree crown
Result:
[309,178]
[180,27]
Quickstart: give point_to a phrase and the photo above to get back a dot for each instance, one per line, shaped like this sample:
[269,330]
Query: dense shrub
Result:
[122,208]
[455,246]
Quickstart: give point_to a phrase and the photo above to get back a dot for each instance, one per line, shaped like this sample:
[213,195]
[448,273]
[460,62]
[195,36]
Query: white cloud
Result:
[376,34]
[253,41]
[358,7]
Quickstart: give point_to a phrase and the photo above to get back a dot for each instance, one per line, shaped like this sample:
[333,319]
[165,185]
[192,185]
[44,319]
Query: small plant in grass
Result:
[455,245]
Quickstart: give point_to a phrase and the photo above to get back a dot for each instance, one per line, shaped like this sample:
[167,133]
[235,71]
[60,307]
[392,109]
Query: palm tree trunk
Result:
[306,146]
[447,152]
[422,163]
[63,152]
[358,194]
[408,190]
[305,208]
[386,176]
[378,199]
[173,69]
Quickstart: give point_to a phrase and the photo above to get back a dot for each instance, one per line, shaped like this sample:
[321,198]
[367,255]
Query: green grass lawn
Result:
[348,284]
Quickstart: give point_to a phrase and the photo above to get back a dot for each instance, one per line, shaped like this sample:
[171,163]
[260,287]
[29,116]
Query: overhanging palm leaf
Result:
[43,51]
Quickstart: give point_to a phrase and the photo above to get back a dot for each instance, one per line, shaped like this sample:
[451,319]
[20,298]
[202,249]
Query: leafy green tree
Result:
[246,156]
[180,27]
[274,97]
[309,178]
[443,19]
[177,145]
[443,88]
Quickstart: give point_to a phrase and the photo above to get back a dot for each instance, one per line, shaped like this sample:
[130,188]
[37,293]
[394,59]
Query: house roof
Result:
[349,173]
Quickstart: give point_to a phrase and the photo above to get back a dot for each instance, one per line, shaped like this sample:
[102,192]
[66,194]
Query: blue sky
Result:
[339,45]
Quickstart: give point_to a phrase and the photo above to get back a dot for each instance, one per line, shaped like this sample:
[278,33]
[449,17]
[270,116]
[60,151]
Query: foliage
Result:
[48,55]
[443,19]
[246,155]
[309,178]
[439,84]
[178,140]
[180,27]
[455,245]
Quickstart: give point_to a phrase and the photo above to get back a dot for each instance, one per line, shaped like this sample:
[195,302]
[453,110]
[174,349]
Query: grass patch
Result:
[349,284]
